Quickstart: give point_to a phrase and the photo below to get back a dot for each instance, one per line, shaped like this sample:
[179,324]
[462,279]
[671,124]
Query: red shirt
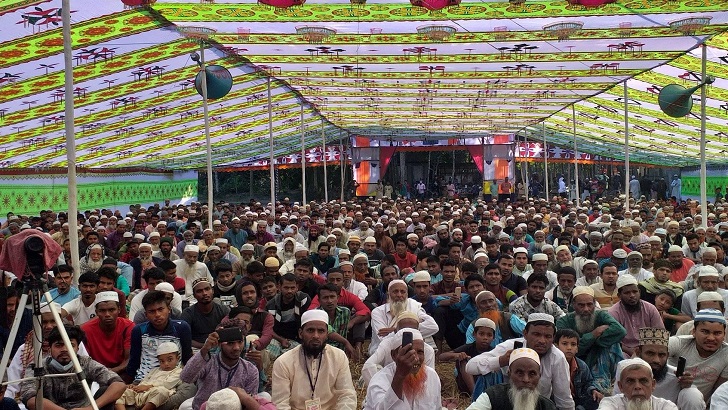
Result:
[409,260]
[178,284]
[108,349]
[346,299]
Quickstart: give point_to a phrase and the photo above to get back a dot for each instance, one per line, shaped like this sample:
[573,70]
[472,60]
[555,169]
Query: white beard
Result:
[567,263]
[91,266]
[395,308]
[189,271]
[584,325]
[639,404]
[523,399]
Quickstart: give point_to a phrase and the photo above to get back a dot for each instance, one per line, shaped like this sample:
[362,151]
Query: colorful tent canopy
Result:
[382,69]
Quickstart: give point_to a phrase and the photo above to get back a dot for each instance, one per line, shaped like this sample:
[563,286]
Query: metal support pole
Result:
[272,158]
[206,115]
[323,154]
[70,139]
[342,162]
[626,149]
[576,155]
[703,166]
[545,162]
[525,165]
[303,158]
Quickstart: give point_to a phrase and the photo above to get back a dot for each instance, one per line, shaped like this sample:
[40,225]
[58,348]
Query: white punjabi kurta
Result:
[619,402]
[381,396]
[381,318]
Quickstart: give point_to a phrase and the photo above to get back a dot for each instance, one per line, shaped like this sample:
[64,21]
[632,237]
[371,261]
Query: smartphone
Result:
[230,334]
[458,291]
[680,366]
[406,338]
[517,345]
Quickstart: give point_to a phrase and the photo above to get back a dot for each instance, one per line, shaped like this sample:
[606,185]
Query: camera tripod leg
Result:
[13,334]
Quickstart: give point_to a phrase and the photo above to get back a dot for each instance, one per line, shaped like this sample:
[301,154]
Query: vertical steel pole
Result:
[206,115]
[576,155]
[323,153]
[303,158]
[272,158]
[703,166]
[545,161]
[626,149]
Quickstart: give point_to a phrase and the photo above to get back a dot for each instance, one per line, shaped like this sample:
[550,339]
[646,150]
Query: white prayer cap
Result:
[145,246]
[221,240]
[626,280]
[562,248]
[620,254]
[416,335]
[540,317]
[524,353]
[217,222]
[582,290]
[674,248]
[539,257]
[411,236]
[635,253]
[247,247]
[632,362]
[139,237]
[421,276]
[370,239]
[476,239]
[167,347]
[128,235]
[360,256]
[547,246]
[344,252]
[590,261]
[709,296]
[45,307]
[213,248]
[165,287]
[396,282]
[154,235]
[192,248]
[484,321]
[107,296]
[707,270]
[520,250]
[315,314]
[299,248]
[225,399]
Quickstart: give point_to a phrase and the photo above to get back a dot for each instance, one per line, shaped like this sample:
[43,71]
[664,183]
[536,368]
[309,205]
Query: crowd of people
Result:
[539,304]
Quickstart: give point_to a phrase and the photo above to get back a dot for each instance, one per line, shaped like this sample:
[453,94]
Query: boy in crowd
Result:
[158,385]
[583,390]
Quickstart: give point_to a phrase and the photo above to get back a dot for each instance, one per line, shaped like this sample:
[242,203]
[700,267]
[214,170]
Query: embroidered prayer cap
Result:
[582,290]
[710,315]
[421,276]
[706,271]
[406,315]
[167,347]
[247,247]
[199,281]
[192,248]
[540,317]
[225,399]
[524,353]
[595,234]
[626,280]
[653,336]
[314,315]
[539,257]
[484,321]
[165,287]
[710,297]
[107,296]
[654,239]
[660,231]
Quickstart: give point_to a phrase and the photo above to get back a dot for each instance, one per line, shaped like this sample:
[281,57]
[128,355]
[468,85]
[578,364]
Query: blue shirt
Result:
[468,309]
[63,299]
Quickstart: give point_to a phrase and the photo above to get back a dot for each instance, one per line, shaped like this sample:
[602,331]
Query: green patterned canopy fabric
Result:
[382,69]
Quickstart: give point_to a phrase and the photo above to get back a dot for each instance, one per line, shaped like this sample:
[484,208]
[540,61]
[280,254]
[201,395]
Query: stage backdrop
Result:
[33,192]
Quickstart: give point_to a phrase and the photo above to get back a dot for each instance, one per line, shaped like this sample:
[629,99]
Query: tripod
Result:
[34,288]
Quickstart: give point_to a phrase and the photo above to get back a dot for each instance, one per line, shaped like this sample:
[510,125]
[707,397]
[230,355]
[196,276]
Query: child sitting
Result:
[586,396]
[157,386]
[484,330]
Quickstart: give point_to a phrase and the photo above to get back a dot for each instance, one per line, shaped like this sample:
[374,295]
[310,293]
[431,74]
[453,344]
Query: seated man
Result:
[109,334]
[215,372]
[463,303]
[637,385]
[706,300]
[153,277]
[407,383]
[679,390]
[522,391]
[286,307]
[649,288]
[539,336]
[633,312]
[707,281]
[82,309]
[293,380]
[534,300]
[66,392]
[204,316]
[507,325]
[599,337]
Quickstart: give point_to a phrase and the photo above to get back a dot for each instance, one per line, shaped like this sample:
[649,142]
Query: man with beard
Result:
[590,250]
[383,316]
[539,240]
[93,260]
[313,374]
[66,390]
[313,239]
[109,334]
[562,294]
[132,249]
[190,269]
[679,390]
[637,384]
[680,264]
[204,316]
[616,242]
[82,309]
[633,313]
[407,383]
[507,326]
[247,255]
[707,282]
[589,271]
[350,283]
[166,245]
[705,352]
[600,335]
[634,267]
[539,336]
[534,300]
[142,262]
[522,392]
[215,372]
[236,236]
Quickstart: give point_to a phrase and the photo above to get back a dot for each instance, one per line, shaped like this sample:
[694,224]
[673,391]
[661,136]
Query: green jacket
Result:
[587,342]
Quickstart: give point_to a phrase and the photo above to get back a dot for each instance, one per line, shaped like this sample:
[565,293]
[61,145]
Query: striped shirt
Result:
[145,339]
